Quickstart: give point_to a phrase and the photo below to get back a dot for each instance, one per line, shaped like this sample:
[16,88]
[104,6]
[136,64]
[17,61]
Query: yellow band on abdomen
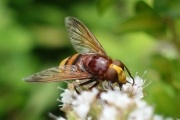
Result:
[63,62]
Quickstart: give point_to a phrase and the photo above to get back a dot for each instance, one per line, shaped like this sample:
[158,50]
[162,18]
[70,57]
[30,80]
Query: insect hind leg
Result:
[95,84]
[81,84]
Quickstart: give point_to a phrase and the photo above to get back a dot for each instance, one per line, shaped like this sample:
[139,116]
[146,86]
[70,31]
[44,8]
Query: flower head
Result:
[135,90]
[125,104]
[81,105]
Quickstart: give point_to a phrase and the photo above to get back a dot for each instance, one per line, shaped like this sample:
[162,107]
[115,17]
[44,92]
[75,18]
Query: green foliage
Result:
[104,4]
[145,19]
[33,38]
[168,8]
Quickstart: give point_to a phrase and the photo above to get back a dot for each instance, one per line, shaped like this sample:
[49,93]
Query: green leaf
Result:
[143,7]
[170,8]
[145,20]
[158,33]
[163,66]
[43,14]
[15,38]
[104,4]
[164,97]
[141,22]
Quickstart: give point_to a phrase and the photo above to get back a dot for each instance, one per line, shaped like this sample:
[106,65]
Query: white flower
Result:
[68,97]
[55,117]
[157,117]
[109,113]
[169,118]
[109,104]
[135,90]
[82,104]
[116,98]
[160,117]
[142,111]
[60,118]
[89,118]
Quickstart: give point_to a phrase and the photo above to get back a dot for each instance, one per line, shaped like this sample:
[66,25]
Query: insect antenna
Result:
[129,74]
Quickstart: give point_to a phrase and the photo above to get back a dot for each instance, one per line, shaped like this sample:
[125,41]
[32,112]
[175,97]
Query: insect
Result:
[91,62]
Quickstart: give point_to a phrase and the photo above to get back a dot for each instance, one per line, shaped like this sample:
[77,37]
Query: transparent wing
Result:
[81,38]
[61,73]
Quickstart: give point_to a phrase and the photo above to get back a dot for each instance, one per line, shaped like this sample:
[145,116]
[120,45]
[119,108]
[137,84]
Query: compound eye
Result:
[118,63]
[111,75]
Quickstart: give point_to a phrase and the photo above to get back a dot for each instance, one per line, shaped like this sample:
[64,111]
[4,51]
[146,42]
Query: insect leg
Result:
[120,85]
[97,82]
[110,85]
[81,84]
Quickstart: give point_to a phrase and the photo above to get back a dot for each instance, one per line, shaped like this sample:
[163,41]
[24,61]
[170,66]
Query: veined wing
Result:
[55,74]
[81,38]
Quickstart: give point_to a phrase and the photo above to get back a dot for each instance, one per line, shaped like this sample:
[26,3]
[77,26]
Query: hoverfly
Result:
[91,62]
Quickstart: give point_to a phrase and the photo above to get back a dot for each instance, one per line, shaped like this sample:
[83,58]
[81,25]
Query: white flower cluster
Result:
[110,105]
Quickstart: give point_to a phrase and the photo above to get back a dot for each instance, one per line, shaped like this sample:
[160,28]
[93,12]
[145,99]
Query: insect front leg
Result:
[110,85]
[120,86]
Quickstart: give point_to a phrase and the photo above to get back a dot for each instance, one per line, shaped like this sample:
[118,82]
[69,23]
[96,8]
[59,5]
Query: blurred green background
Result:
[142,34]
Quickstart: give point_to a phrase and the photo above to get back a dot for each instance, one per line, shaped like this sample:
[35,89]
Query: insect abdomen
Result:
[72,60]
